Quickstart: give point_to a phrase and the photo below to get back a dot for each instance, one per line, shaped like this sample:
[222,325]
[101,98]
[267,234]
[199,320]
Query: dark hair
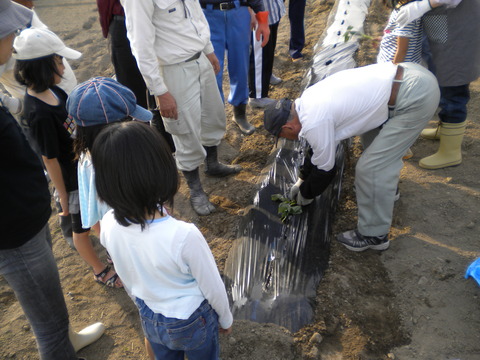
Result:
[86,135]
[135,173]
[37,74]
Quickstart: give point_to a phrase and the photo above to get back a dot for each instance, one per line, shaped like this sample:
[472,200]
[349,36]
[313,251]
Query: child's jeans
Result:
[171,338]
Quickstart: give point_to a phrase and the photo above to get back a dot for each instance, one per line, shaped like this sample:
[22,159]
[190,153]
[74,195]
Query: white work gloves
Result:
[416,9]
[296,195]
[13,105]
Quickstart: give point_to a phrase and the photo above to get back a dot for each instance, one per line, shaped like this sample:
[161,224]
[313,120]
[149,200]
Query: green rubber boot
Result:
[432,134]
[450,150]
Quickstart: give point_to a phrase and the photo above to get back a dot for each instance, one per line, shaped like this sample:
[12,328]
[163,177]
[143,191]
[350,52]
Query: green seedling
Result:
[286,207]
[349,33]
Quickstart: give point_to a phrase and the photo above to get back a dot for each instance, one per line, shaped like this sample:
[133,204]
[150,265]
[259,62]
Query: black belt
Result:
[224,6]
[194,57]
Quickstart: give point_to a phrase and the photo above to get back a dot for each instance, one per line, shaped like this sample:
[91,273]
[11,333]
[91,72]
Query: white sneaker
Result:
[85,336]
[260,103]
[274,80]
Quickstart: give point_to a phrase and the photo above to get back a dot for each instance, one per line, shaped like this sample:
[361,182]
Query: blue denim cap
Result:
[102,100]
[276,115]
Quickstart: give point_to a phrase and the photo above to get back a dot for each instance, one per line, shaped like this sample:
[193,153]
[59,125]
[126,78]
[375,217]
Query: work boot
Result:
[198,198]
[215,168]
[240,118]
[86,336]
[450,150]
[432,134]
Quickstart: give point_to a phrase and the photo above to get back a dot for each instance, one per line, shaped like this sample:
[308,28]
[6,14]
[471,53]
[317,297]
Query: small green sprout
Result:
[286,207]
[350,33]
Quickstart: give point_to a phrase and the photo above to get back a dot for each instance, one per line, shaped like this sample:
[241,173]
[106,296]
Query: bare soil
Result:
[409,302]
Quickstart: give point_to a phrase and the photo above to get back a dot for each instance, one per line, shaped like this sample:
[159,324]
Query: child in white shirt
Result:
[165,264]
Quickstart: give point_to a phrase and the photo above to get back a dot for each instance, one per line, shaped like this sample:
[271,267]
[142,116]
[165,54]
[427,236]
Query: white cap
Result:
[34,43]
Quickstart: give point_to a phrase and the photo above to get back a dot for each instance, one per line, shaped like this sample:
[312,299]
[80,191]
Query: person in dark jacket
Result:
[26,259]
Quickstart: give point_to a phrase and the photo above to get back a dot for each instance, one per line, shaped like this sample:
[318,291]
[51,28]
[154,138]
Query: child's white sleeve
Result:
[197,256]
[13,105]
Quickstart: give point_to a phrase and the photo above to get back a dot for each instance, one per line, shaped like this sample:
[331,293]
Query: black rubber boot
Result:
[198,198]
[215,168]
[240,117]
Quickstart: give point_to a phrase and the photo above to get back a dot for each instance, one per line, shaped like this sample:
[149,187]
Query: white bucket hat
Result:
[13,17]
[34,43]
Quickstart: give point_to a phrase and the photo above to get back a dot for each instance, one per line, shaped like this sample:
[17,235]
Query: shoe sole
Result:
[380,247]
[439,166]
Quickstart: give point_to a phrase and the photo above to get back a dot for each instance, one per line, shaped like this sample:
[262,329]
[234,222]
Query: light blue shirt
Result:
[91,208]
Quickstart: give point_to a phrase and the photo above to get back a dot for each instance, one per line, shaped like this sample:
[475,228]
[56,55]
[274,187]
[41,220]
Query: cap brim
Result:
[68,53]
[142,114]
[14,18]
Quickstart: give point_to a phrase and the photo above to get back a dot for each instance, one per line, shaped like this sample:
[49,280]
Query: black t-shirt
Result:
[24,196]
[52,130]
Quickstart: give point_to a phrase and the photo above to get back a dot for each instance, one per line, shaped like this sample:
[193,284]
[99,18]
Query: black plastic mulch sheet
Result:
[274,268]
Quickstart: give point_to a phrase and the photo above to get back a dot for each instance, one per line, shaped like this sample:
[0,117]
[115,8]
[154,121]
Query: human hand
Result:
[214,61]
[303,201]
[225,331]
[295,189]
[413,11]
[167,105]
[263,30]
[64,205]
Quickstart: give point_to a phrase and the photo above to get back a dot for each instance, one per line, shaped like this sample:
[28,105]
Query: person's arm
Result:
[214,61]
[402,47]
[55,172]
[416,9]
[198,258]
[262,31]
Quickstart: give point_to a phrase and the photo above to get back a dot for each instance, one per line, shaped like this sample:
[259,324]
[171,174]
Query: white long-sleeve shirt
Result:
[165,32]
[345,104]
[168,265]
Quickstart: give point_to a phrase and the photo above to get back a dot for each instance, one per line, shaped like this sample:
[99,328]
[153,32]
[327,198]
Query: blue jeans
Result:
[172,339]
[230,33]
[453,103]
[32,273]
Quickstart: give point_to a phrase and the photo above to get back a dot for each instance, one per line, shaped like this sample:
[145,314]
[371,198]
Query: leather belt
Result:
[194,57]
[223,6]
[397,81]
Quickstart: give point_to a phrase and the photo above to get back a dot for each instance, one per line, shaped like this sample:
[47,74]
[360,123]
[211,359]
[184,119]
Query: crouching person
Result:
[388,105]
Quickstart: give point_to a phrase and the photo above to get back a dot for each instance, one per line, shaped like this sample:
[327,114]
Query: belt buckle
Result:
[225,6]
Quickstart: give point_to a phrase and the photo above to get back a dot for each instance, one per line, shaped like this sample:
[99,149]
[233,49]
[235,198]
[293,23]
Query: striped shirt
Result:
[276,9]
[412,31]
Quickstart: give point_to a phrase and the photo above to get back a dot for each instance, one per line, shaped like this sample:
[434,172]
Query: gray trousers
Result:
[201,113]
[378,169]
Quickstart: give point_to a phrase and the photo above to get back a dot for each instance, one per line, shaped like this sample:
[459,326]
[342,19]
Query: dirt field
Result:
[409,302]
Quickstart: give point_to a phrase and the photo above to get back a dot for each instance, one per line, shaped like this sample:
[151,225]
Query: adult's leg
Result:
[124,62]
[378,169]
[261,64]
[32,273]
[217,21]
[296,15]
[238,49]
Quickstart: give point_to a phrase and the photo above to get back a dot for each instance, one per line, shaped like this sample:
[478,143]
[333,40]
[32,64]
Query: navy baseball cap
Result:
[276,115]
[102,100]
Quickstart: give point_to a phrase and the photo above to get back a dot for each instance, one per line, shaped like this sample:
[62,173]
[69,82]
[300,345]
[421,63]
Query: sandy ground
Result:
[409,302]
